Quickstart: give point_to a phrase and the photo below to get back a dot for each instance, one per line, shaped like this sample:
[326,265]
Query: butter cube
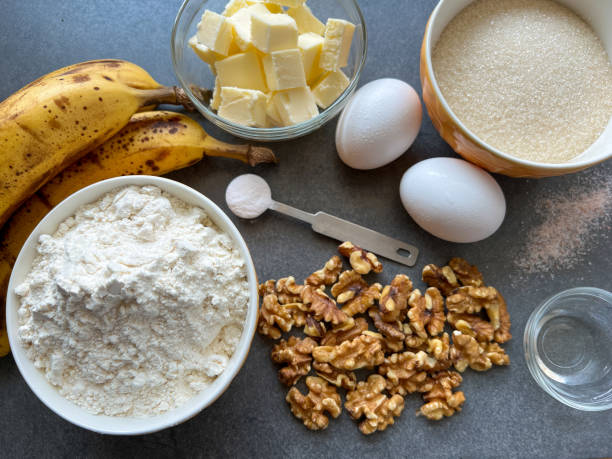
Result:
[329,88]
[241,22]
[233,6]
[274,118]
[242,70]
[204,53]
[284,70]
[310,45]
[295,105]
[273,32]
[305,20]
[336,44]
[290,3]
[215,32]
[215,100]
[243,106]
[272,8]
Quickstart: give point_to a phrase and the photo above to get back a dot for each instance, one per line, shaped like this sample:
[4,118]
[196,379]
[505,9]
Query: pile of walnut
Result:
[410,350]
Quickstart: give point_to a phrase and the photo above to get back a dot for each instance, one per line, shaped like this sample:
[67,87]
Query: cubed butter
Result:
[284,70]
[295,105]
[290,3]
[306,21]
[273,32]
[204,53]
[310,45]
[272,8]
[215,100]
[336,44]
[242,70]
[274,118]
[233,6]
[241,22]
[243,106]
[328,88]
[215,32]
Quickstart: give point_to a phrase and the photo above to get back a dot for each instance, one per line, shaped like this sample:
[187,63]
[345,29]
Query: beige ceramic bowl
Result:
[596,12]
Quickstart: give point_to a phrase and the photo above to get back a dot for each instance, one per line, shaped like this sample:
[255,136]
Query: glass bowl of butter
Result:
[269,71]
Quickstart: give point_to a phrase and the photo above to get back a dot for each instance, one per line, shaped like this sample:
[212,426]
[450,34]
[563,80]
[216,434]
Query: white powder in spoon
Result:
[248,196]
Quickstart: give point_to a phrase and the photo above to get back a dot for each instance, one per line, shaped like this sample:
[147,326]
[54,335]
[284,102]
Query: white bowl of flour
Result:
[132,305]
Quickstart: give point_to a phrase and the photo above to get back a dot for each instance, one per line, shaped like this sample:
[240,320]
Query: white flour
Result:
[135,304]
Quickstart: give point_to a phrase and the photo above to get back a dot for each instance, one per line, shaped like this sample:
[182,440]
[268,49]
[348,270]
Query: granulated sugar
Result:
[569,222]
[528,77]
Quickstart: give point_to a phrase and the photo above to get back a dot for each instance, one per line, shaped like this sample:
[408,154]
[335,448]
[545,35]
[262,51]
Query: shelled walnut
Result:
[466,351]
[297,354]
[471,324]
[365,351]
[343,333]
[326,275]
[443,279]
[273,317]
[394,298]
[368,401]
[440,399]
[426,312]
[322,306]
[360,260]
[466,273]
[339,378]
[310,408]
[355,293]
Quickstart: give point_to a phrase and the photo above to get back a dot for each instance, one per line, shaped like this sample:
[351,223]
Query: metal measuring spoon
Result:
[249,196]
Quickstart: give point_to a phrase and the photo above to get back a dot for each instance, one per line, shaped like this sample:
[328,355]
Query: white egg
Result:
[379,124]
[453,199]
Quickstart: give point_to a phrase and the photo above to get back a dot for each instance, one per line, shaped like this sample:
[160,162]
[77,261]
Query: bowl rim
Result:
[276,133]
[48,394]
[570,166]
[530,342]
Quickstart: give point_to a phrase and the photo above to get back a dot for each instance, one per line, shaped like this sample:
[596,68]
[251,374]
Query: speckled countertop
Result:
[506,413]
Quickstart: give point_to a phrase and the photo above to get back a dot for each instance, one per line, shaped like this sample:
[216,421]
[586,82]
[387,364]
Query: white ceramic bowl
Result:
[48,393]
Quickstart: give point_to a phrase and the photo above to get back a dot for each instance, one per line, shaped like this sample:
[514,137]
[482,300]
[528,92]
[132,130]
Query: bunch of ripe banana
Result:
[82,124]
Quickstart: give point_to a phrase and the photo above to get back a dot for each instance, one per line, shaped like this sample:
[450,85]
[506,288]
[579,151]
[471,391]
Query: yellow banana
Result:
[152,143]
[56,119]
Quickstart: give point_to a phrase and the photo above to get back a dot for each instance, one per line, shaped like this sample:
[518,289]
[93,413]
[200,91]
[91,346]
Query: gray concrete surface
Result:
[506,413]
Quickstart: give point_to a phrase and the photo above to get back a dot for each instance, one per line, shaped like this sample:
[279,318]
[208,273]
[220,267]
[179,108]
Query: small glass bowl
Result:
[192,71]
[568,347]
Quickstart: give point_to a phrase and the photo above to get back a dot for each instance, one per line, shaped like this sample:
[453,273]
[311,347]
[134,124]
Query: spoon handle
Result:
[366,238]
[292,212]
[344,230]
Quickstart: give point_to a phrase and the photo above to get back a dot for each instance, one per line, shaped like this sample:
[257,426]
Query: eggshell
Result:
[453,199]
[379,124]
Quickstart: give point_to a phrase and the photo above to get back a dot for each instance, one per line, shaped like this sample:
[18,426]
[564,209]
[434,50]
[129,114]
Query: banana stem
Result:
[246,153]
[171,95]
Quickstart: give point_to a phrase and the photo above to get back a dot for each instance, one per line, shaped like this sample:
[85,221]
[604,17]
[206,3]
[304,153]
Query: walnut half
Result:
[368,401]
[361,260]
[310,408]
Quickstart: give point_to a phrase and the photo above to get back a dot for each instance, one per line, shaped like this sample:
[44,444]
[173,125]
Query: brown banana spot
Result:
[163,154]
[151,164]
[106,77]
[62,102]
[81,78]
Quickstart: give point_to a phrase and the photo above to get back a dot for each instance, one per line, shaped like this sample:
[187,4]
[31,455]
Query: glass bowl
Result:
[192,71]
[568,347]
